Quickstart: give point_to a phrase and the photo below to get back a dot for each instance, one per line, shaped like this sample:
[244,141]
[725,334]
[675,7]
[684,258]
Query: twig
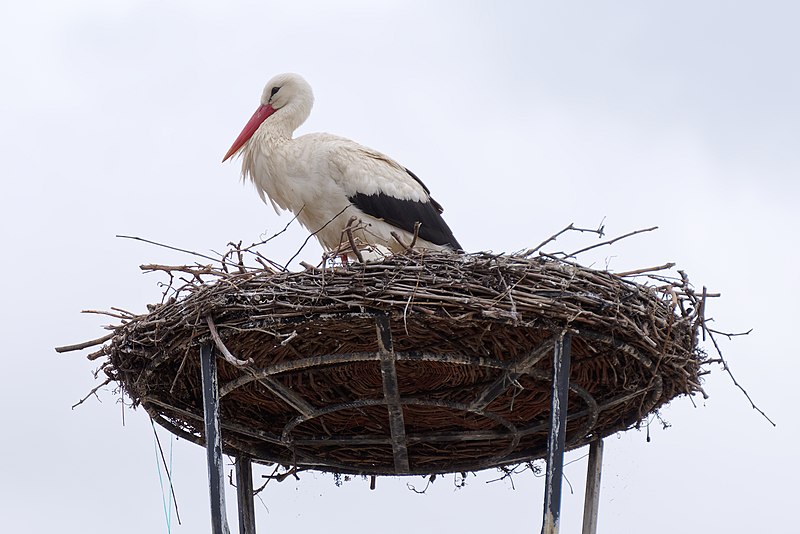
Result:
[729,335]
[397,238]
[610,241]
[313,234]
[185,354]
[168,246]
[280,477]
[85,344]
[276,234]
[97,354]
[93,392]
[260,489]
[727,369]
[548,240]
[408,248]
[236,248]
[349,231]
[701,311]
[264,264]
[108,313]
[194,270]
[599,231]
[643,270]
[289,338]
[230,358]
[417,225]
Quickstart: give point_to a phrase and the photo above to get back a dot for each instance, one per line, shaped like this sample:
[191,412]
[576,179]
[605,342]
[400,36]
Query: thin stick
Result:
[408,248]
[598,231]
[167,246]
[93,392]
[735,383]
[417,225]
[185,353]
[349,231]
[85,344]
[108,313]
[194,270]
[546,241]
[276,234]
[729,335]
[610,241]
[669,265]
[313,234]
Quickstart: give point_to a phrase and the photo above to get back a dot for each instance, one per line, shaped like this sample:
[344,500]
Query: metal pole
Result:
[244,495]
[592,501]
[556,437]
[216,476]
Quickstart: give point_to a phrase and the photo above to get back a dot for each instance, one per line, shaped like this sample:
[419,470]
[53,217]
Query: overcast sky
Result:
[521,117]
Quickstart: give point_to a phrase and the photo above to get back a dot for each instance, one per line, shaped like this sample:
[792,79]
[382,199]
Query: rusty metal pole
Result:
[216,475]
[557,435]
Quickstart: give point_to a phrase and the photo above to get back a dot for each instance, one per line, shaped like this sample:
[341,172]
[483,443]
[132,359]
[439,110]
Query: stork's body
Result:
[325,180]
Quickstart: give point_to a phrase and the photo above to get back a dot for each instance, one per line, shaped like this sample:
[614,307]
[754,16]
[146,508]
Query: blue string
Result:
[167,513]
[171,472]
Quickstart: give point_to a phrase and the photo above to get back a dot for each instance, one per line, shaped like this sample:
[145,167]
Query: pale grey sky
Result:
[520,117]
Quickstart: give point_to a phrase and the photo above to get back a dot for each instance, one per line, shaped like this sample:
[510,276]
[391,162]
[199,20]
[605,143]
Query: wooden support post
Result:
[244,494]
[216,475]
[391,392]
[592,501]
[557,435]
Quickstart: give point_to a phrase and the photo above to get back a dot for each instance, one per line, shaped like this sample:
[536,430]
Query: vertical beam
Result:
[592,501]
[216,476]
[244,495]
[391,392]
[556,437]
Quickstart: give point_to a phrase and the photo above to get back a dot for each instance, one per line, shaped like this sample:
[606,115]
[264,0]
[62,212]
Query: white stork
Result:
[326,180]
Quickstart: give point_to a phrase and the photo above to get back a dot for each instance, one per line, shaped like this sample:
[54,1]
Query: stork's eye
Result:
[274,90]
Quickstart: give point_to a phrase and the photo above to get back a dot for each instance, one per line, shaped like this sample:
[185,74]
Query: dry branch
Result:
[85,344]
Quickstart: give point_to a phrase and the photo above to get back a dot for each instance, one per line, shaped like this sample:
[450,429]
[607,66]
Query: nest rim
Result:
[226,298]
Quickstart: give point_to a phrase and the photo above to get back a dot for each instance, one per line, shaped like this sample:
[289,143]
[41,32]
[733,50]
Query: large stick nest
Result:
[302,384]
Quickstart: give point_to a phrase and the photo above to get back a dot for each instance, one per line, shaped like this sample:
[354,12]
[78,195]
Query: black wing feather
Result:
[436,205]
[404,214]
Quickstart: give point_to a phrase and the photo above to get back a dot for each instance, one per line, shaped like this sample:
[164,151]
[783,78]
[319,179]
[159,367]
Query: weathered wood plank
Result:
[591,502]
[216,475]
[558,428]
[391,392]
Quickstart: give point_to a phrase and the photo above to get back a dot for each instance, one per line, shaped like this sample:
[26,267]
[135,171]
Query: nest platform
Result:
[467,339]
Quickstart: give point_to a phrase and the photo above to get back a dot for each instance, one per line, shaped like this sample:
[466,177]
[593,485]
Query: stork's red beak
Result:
[250,128]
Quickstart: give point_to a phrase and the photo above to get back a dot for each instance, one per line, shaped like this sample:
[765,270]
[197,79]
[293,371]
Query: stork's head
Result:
[288,89]
[286,96]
